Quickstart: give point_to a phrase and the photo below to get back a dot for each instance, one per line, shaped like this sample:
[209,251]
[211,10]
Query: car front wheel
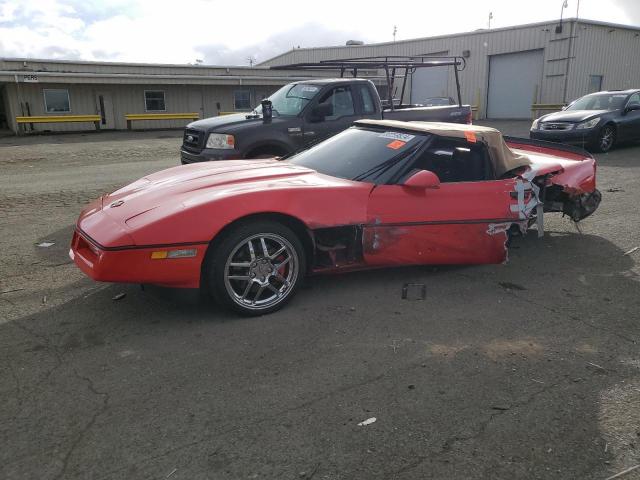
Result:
[606,139]
[256,268]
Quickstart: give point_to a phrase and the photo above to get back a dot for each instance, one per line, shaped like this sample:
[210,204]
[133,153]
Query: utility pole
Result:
[395,30]
[251,60]
[490,18]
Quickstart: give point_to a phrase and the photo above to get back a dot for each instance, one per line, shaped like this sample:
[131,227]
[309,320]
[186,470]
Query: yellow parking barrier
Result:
[95,119]
[131,117]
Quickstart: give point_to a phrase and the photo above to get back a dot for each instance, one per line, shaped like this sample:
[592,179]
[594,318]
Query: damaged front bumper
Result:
[577,207]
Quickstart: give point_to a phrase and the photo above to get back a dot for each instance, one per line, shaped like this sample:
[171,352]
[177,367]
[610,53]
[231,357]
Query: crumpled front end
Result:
[565,178]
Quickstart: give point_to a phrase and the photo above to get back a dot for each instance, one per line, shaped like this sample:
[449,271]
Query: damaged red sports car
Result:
[382,193]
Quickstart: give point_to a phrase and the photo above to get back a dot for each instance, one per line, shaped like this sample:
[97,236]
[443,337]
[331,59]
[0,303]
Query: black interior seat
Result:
[454,160]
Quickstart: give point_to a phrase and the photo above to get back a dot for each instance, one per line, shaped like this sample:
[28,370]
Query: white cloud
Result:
[226,32]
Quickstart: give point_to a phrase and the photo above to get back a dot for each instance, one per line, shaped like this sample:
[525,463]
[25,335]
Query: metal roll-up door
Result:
[514,81]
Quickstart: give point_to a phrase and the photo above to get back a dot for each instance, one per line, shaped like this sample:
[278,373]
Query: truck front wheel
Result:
[266,152]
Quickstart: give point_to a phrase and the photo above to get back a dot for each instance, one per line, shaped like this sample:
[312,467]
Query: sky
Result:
[237,33]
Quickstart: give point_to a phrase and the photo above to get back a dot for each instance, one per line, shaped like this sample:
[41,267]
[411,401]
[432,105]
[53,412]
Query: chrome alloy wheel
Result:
[261,271]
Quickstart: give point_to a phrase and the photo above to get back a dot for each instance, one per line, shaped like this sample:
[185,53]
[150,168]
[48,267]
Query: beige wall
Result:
[201,99]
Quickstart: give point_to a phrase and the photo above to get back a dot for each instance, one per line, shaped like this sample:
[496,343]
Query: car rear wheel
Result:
[257,268]
[606,139]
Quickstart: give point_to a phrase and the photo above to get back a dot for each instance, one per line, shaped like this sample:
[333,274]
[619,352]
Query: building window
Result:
[56,100]
[595,83]
[242,100]
[154,101]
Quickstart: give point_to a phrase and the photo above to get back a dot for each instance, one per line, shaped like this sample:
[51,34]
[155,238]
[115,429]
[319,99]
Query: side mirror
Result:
[632,106]
[422,179]
[321,111]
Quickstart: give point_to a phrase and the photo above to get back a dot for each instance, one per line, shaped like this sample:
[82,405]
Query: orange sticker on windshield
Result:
[470,136]
[396,144]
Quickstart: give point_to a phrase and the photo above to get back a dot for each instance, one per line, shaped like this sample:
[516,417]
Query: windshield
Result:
[291,99]
[600,101]
[359,154]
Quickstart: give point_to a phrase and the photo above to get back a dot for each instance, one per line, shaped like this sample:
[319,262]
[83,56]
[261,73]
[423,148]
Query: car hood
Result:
[180,186]
[170,193]
[222,122]
[572,115]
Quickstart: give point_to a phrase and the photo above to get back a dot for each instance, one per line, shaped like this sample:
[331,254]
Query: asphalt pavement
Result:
[525,370]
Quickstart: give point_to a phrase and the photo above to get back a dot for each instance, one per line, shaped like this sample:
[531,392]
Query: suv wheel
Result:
[606,139]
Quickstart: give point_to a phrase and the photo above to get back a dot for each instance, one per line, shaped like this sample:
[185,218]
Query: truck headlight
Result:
[534,125]
[220,140]
[588,124]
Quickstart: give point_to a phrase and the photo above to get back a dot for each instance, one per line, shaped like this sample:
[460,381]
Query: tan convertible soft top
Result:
[504,159]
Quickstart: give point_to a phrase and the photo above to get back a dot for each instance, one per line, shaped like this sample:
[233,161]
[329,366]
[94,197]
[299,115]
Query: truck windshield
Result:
[600,101]
[359,154]
[291,99]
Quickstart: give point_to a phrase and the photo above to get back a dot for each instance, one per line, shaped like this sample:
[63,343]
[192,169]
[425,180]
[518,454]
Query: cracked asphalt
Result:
[526,370]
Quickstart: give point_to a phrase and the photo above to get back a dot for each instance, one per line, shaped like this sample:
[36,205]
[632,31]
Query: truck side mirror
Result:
[321,111]
[267,110]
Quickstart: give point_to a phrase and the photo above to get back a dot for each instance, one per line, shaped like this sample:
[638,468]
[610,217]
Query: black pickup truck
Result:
[303,112]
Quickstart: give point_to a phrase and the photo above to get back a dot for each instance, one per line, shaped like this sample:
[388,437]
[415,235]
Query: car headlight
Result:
[534,125]
[220,140]
[588,124]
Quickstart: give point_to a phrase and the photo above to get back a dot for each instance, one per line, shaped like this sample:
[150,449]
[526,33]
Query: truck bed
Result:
[446,113]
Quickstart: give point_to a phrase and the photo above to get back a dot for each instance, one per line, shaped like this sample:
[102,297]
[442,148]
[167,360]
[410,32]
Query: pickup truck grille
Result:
[193,140]
[556,126]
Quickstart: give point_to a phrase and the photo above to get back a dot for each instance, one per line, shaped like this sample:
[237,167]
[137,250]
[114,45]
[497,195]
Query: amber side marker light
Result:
[182,253]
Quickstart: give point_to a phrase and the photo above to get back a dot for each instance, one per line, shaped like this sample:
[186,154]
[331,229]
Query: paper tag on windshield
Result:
[309,89]
[396,144]
[470,136]
[404,137]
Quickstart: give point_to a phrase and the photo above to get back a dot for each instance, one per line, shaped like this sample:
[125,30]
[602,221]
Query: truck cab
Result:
[306,112]
[303,112]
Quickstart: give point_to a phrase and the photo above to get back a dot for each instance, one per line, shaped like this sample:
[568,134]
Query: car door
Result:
[463,221]
[341,97]
[629,126]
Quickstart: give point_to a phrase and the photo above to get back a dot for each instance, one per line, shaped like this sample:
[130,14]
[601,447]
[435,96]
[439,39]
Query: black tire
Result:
[606,139]
[242,278]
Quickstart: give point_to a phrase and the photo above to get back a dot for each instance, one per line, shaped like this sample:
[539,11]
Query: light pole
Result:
[490,18]
[565,4]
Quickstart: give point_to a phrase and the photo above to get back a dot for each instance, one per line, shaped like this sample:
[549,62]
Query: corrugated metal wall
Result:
[611,51]
[187,89]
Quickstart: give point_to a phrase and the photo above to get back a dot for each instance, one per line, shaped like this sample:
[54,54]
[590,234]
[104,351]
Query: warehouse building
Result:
[107,94]
[509,69]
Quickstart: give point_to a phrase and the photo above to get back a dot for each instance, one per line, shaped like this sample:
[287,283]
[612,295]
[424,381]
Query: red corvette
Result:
[381,193]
